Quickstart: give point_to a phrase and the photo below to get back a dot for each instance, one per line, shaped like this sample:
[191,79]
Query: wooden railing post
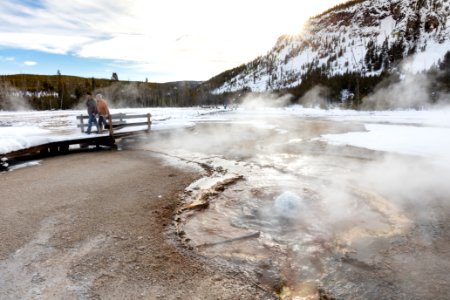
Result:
[149,122]
[82,123]
[110,125]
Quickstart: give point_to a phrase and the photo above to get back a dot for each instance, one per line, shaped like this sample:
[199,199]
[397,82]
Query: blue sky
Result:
[21,61]
[159,40]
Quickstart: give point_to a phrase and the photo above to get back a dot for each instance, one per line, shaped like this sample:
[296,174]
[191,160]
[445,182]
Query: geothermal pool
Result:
[311,220]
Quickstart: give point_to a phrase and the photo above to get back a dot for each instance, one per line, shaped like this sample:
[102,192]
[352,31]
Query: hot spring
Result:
[309,220]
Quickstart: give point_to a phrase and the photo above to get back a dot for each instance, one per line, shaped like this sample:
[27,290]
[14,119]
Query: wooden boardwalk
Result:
[115,131]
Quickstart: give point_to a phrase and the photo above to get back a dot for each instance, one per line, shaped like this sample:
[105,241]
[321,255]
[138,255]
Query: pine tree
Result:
[445,64]
[93,84]
[383,59]
[61,89]
[397,50]
[370,54]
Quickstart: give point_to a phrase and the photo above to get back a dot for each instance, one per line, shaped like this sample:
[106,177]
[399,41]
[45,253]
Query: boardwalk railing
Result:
[118,121]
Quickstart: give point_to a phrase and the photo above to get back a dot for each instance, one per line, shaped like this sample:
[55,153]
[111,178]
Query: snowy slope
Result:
[367,37]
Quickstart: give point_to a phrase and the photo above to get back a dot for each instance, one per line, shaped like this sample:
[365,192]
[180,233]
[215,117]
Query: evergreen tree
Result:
[369,58]
[93,84]
[396,52]
[61,89]
[384,59]
[444,76]
[445,64]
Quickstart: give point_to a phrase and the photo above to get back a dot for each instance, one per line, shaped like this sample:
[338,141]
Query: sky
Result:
[160,41]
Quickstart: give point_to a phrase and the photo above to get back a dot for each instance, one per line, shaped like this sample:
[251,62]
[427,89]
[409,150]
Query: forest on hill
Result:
[43,92]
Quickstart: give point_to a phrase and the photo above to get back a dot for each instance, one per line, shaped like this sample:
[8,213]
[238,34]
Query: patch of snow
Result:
[423,61]
[387,26]
[410,140]
[411,132]
[25,165]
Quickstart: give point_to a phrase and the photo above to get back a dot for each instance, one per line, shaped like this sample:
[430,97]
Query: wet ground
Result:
[98,226]
[311,220]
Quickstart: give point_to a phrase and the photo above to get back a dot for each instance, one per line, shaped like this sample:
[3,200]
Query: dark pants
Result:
[92,119]
[102,121]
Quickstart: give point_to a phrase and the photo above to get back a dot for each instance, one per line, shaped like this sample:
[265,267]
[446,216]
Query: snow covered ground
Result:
[423,133]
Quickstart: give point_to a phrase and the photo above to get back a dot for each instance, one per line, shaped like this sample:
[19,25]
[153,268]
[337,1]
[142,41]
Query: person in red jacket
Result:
[103,111]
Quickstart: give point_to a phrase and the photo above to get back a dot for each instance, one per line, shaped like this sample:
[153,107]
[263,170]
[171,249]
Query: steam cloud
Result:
[11,98]
[413,91]
[410,91]
[409,189]
[316,97]
[258,101]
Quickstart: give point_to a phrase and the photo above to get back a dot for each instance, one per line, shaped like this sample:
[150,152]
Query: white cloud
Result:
[7,58]
[193,39]
[51,43]
[29,63]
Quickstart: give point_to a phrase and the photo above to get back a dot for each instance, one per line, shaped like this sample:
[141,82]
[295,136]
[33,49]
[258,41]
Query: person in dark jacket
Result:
[92,112]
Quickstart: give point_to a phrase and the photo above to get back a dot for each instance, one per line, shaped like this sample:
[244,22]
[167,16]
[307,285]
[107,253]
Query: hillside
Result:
[363,39]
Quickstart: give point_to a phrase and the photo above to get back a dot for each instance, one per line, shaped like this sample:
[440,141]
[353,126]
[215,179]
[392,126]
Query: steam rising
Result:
[258,101]
[409,182]
[11,98]
[316,97]
[411,92]
[327,213]
[400,91]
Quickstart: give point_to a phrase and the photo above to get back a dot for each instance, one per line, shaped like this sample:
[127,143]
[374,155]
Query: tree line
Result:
[47,92]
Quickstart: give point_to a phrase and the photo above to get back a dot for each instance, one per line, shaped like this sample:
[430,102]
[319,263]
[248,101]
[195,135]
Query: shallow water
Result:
[310,219]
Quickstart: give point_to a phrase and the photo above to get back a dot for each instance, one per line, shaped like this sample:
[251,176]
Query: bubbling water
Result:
[302,237]
[289,205]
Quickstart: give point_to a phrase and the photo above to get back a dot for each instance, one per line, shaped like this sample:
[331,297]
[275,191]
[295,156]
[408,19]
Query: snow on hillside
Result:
[367,38]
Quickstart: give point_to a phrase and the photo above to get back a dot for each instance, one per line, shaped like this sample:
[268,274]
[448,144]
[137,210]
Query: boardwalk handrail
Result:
[62,146]
[119,121]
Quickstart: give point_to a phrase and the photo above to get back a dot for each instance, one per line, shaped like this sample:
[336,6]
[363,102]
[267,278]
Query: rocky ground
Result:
[98,226]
